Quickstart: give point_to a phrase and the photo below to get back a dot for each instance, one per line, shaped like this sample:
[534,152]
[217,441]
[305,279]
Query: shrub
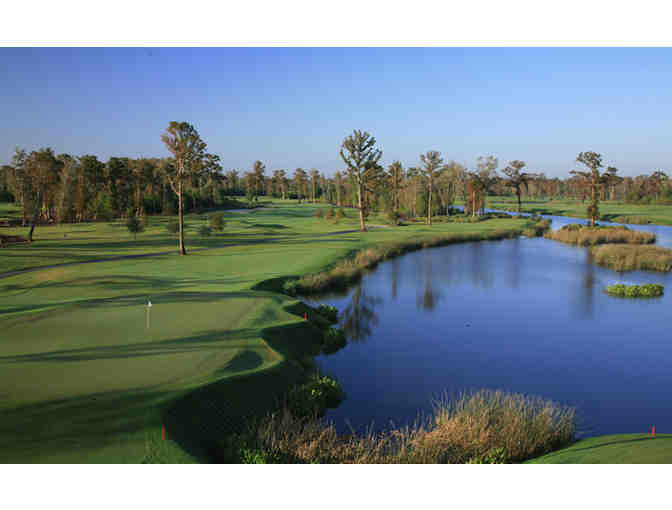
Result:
[134,225]
[633,291]
[315,396]
[328,312]
[393,217]
[173,227]
[318,213]
[330,213]
[340,213]
[205,231]
[334,340]
[217,222]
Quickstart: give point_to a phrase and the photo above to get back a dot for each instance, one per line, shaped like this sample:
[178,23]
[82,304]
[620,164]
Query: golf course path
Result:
[158,254]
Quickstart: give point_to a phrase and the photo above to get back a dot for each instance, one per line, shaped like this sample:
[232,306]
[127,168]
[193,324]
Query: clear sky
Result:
[292,107]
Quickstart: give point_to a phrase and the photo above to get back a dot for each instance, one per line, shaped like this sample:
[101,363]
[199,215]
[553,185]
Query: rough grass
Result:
[582,235]
[631,220]
[467,429]
[633,257]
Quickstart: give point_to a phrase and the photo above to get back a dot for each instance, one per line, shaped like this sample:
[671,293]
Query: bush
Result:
[134,226]
[315,396]
[318,213]
[334,340]
[205,231]
[647,290]
[393,217]
[328,312]
[340,213]
[217,222]
[173,227]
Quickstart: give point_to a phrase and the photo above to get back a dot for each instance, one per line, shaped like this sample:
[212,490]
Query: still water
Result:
[522,315]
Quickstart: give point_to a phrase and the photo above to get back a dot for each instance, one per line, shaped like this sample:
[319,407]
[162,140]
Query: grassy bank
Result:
[482,427]
[583,235]
[614,449]
[84,378]
[633,257]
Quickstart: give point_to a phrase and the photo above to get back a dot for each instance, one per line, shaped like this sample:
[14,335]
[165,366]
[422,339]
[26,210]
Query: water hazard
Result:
[523,315]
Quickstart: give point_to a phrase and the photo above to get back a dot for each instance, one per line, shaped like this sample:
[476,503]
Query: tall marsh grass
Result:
[633,257]
[590,236]
[474,426]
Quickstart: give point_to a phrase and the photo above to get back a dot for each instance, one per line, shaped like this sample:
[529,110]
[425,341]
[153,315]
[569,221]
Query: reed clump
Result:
[485,426]
[583,235]
[633,257]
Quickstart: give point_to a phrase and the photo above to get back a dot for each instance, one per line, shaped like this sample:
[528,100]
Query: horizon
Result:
[292,107]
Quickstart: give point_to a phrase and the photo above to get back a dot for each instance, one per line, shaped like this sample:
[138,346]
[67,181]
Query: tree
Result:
[395,181]
[184,142]
[593,161]
[339,188]
[480,182]
[432,163]
[44,169]
[516,178]
[314,175]
[258,170]
[612,180]
[299,182]
[134,225]
[361,156]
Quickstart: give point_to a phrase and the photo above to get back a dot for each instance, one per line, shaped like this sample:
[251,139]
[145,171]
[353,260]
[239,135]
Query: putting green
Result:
[614,449]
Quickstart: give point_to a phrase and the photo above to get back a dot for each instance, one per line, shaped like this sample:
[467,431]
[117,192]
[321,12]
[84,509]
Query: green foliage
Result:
[494,456]
[205,231]
[315,396]
[647,290]
[134,225]
[217,222]
[290,287]
[393,217]
[334,340]
[328,312]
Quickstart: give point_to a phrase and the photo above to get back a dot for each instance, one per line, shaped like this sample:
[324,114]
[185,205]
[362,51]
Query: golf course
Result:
[91,374]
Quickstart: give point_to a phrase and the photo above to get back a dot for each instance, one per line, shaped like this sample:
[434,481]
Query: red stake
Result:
[305,315]
[653,431]
[163,433]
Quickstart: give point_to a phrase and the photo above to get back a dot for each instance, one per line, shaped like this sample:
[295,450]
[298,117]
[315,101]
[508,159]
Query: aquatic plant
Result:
[633,291]
[584,235]
[633,257]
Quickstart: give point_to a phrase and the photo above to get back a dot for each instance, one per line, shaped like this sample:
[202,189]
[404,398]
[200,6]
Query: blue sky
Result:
[292,107]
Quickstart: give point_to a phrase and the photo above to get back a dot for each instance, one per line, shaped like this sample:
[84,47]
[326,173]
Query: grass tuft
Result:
[633,257]
[583,235]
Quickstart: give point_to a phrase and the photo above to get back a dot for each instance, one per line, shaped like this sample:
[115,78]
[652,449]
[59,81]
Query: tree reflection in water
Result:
[359,317]
[429,299]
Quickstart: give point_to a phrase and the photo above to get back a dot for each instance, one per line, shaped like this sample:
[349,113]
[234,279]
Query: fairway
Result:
[85,380]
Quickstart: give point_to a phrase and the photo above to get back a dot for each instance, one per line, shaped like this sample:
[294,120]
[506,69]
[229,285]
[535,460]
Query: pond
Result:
[522,315]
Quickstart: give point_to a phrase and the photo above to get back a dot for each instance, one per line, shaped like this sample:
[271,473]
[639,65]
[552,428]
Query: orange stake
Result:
[163,433]
[653,431]
[305,315]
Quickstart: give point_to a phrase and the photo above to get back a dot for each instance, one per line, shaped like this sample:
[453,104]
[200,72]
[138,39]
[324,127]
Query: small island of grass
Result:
[584,235]
[633,257]
[646,290]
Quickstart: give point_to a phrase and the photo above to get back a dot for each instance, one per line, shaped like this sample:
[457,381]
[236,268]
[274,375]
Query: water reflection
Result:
[429,299]
[359,317]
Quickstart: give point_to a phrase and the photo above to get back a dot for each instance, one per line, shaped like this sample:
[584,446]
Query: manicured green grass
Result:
[82,377]
[614,449]
[609,211]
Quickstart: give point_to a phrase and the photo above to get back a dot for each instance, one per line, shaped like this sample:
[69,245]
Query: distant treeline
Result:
[83,188]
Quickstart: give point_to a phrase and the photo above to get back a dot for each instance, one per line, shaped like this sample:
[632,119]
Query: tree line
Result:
[51,188]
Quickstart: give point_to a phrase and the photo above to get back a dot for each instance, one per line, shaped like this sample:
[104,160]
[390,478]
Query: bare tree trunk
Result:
[473,203]
[519,202]
[361,208]
[180,215]
[429,203]
[36,212]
